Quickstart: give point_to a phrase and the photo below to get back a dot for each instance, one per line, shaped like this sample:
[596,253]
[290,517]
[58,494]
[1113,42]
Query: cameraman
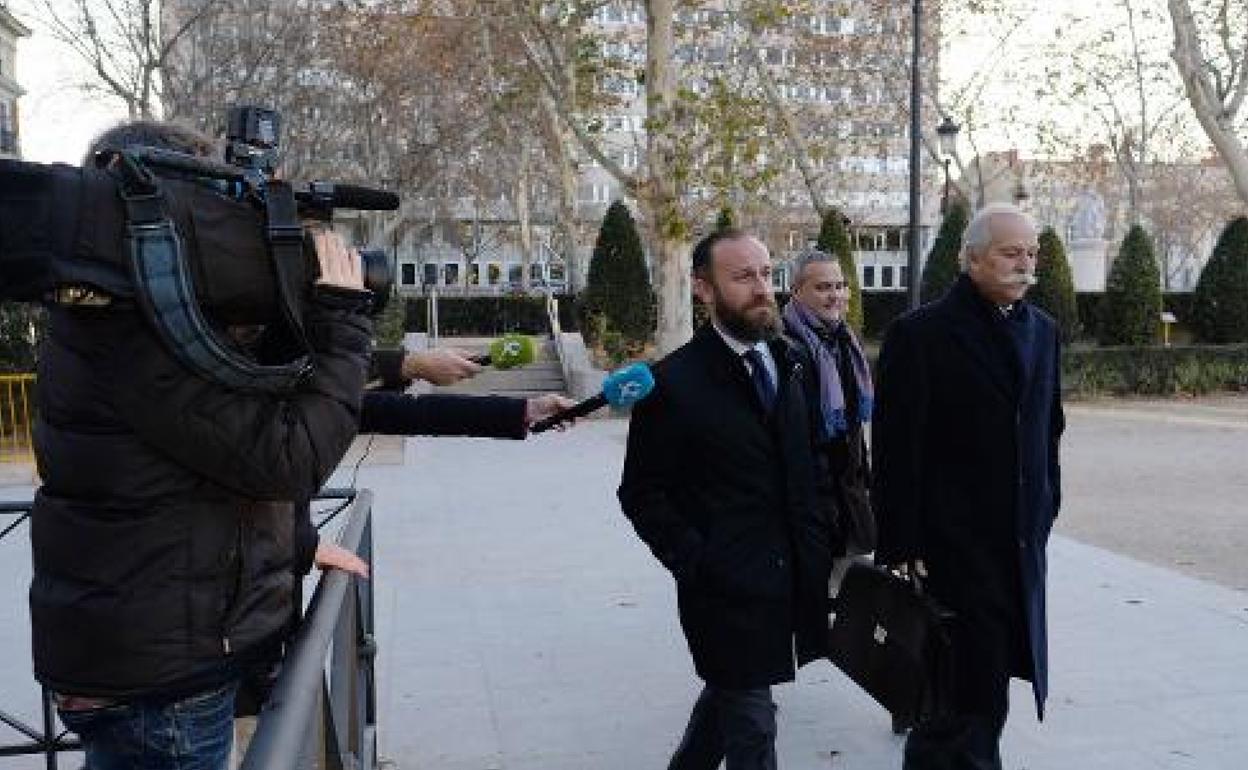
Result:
[162,536]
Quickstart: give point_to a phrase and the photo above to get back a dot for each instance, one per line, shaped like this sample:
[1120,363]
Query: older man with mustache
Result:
[966,481]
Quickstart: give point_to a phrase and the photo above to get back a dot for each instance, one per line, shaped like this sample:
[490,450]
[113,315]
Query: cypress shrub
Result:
[1055,288]
[619,288]
[942,266]
[1220,304]
[1131,310]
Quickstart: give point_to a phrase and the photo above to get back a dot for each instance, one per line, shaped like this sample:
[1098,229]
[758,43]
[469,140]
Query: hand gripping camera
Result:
[185,238]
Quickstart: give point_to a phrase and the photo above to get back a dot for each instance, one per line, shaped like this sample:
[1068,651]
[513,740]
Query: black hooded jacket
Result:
[162,535]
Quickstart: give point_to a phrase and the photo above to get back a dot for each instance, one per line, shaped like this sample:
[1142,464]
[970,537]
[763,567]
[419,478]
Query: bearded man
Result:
[719,483]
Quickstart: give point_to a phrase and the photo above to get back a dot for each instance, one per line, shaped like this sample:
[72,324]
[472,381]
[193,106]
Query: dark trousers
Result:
[737,727]
[959,742]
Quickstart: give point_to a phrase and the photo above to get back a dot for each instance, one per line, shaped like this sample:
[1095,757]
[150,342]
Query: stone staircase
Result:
[544,375]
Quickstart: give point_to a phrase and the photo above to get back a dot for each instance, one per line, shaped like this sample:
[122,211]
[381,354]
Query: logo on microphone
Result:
[631,391]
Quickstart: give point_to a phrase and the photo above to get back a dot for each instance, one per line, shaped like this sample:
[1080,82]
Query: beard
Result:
[756,322]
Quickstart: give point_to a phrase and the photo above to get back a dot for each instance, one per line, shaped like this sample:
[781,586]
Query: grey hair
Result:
[807,258]
[978,235]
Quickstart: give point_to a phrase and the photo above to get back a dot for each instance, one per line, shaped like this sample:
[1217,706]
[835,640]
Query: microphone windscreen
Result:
[349,196]
[627,386]
[512,350]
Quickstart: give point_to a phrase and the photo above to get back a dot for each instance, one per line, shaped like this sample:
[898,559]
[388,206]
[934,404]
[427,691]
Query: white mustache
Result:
[1020,279]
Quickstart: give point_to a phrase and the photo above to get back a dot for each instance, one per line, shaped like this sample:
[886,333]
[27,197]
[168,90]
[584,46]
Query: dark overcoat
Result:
[965,459]
[722,493]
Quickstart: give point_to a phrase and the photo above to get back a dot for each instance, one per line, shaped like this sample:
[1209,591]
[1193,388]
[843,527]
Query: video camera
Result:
[186,238]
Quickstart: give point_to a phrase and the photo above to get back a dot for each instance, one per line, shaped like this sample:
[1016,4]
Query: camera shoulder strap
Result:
[164,290]
[285,235]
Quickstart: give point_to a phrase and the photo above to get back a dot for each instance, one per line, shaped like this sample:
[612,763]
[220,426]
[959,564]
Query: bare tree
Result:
[1211,53]
[1111,67]
[126,44]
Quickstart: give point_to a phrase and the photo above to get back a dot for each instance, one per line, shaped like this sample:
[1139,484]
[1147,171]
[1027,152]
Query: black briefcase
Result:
[895,642]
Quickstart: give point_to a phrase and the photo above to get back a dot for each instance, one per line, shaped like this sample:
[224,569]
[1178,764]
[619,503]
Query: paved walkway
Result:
[524,627]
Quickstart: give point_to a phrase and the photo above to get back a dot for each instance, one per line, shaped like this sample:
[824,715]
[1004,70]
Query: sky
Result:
[58,120]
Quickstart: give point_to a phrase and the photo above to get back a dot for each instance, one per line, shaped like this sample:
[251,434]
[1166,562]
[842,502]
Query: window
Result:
[515,274]
[600,193]
[408,277]
[868,276]
[431,274]
[886,277]
[474,274]
[494,272]
[536,272]
[903,274]
[450,274]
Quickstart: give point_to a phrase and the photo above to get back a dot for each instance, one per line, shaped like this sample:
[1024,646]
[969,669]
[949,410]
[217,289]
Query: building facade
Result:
[11,30]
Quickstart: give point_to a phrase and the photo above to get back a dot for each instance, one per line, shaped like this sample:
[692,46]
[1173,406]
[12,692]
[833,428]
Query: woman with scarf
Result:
[840,398]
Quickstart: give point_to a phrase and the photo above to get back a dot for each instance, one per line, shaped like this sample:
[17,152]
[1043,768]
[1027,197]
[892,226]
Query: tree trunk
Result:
[567,222]
[524,213]
[1215,117]
[674,293]
[660,196]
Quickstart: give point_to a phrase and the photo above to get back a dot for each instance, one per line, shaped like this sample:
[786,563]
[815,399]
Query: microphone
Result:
[507,352]
[623,387]
[350,196]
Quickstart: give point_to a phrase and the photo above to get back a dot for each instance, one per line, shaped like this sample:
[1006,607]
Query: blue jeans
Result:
[194,733]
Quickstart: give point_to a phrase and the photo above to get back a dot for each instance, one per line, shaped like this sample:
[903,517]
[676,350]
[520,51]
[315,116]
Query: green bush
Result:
[388,327]
[879,308]
[1089,308]
[21,327]
[1131,310]
[1154,371]
[1055,288]
[619,284]
[1221,296]
[491,316]
[834,240]
[726,220]
[942,266]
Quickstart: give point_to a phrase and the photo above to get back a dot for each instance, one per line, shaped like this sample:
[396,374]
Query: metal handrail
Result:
[327,721]
[292,732]
[45,740]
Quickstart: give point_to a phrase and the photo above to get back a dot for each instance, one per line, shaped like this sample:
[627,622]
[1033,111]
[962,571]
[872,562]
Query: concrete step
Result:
[544,375]
[544,349]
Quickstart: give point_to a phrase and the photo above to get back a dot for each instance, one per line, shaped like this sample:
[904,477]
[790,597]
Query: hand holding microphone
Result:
[447,366]
[508,352]
[623,387]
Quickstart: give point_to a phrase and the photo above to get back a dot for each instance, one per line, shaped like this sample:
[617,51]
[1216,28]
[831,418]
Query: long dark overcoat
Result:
[965,454]
[723,495]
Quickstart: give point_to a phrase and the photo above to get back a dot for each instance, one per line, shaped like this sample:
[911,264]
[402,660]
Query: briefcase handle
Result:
[912,572]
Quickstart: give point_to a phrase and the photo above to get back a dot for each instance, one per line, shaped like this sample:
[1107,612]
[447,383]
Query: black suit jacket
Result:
[965,437]
[722,493]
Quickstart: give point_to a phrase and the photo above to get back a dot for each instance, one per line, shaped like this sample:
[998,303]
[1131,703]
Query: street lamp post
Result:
[913,257]
[947,132]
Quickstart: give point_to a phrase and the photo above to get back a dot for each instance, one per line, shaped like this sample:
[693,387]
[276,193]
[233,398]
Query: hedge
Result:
[1182,304]
[491,316]
[1154,371]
